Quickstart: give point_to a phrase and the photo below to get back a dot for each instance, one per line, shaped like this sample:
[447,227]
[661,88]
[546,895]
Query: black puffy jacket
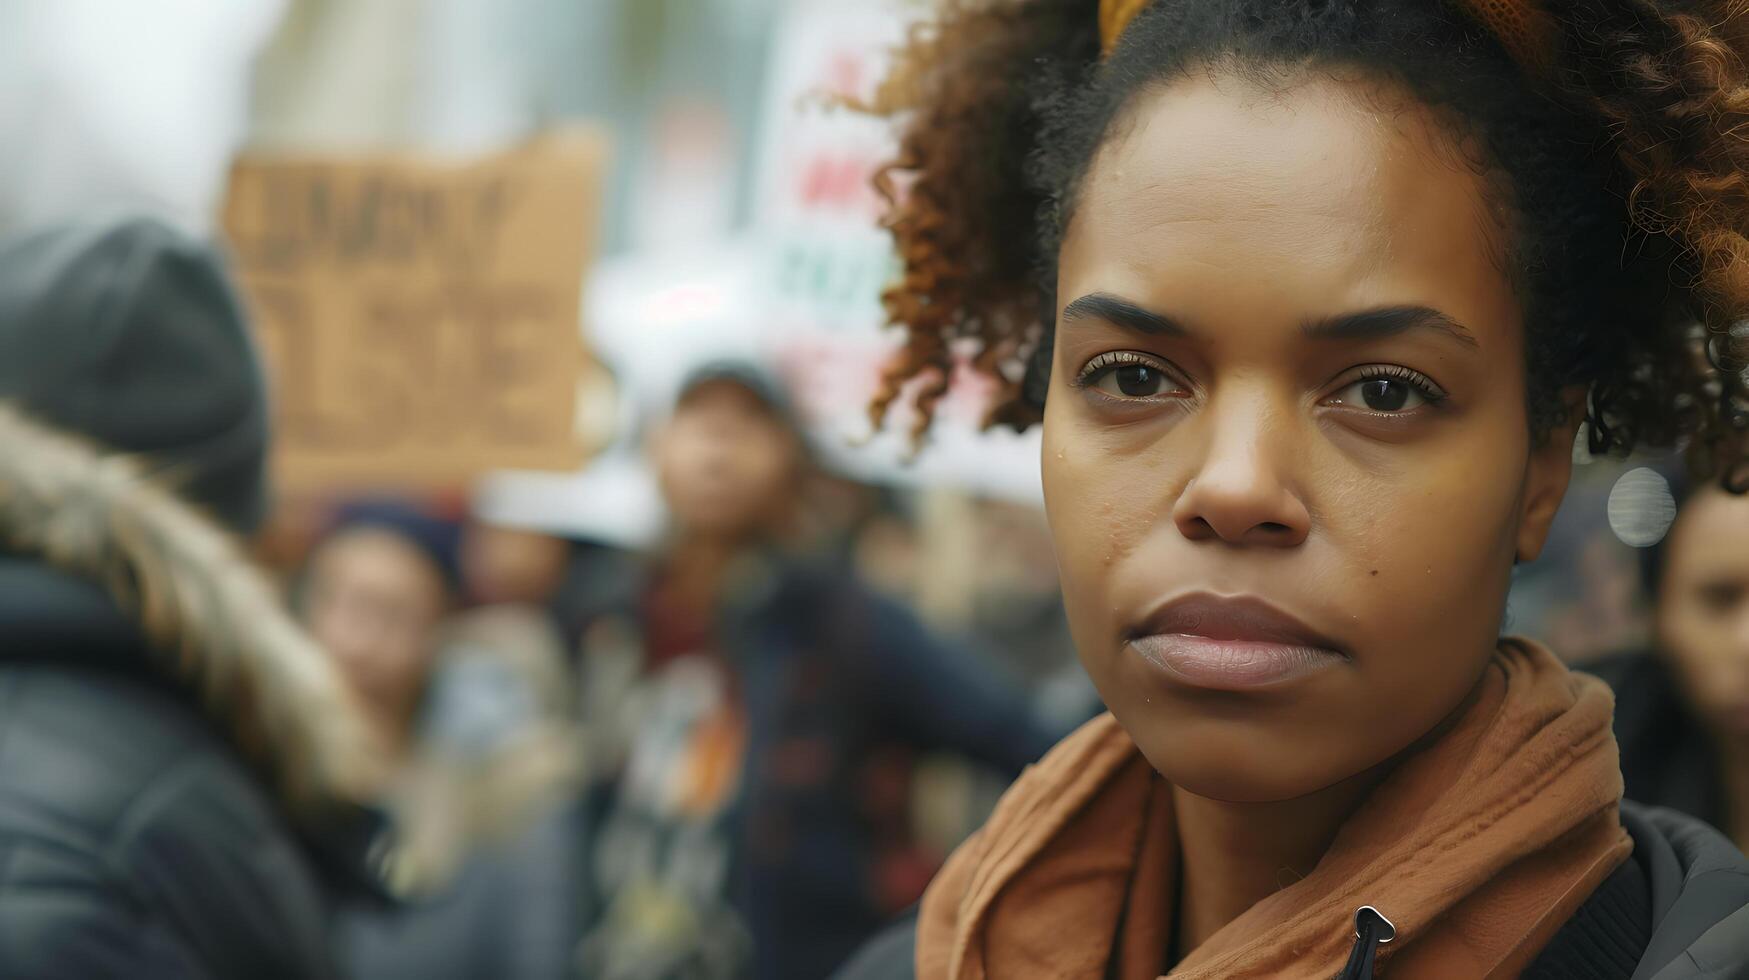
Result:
[169,741]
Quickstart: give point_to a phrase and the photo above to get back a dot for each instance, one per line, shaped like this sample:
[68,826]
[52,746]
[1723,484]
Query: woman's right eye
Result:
[1128,376]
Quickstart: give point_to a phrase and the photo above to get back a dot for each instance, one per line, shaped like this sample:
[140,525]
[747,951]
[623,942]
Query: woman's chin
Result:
[1237,770]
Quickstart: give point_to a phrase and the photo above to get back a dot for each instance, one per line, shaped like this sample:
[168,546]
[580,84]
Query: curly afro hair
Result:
[1621,154]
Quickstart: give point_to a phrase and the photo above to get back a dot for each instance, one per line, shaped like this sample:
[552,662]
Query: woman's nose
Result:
[1241,492]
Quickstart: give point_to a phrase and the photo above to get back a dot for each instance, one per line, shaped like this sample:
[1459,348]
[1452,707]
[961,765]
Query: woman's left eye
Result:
[1394,392]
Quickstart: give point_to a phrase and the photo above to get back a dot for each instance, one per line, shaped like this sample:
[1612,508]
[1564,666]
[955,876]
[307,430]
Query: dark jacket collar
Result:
[46,612]
[1699,886]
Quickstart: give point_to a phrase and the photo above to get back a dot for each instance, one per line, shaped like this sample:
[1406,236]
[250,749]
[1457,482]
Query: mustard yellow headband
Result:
[1114,16]
[1519,25]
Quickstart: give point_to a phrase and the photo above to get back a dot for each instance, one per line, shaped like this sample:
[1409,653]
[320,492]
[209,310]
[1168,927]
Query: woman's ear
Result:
[1547,473]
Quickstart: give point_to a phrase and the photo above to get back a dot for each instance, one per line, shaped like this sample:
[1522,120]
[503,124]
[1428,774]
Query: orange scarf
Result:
[1478,848]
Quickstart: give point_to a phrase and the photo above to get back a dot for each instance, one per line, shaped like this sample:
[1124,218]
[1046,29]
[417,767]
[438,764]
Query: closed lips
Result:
[1231,644]
[1243,618]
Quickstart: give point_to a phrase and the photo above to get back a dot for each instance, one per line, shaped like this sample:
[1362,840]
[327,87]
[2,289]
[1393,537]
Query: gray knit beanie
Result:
[129,333]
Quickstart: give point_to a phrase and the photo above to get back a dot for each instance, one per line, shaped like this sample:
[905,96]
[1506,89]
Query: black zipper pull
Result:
[1371,930]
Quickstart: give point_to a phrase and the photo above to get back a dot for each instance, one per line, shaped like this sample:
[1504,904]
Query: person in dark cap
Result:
[181,767]
[753,718]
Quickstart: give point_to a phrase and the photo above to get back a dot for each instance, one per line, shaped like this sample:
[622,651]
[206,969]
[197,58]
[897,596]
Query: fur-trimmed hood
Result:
[210,621]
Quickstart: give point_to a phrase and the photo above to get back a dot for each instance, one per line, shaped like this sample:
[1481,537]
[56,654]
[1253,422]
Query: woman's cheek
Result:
[1068,518]
[1428,553]
[1095,522]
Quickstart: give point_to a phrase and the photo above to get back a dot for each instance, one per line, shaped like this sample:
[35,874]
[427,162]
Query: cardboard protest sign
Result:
[420,319]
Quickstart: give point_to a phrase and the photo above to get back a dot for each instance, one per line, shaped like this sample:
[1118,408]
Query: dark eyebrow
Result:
[1387,321]
[1122,313]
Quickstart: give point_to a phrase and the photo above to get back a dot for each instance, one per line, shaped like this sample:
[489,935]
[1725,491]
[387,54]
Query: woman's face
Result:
[375,603]
[1703,609]
[1287,462]
[727,465]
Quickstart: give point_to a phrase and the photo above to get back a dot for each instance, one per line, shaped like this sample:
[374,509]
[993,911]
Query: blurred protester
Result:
[502,564]
[172,746]
[752,718]
[535,572]
[500,725]
[475,713]
[375,592]
[1682,711]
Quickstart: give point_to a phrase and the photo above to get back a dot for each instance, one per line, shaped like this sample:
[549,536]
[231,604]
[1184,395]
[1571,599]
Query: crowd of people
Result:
[454,749]
[1334,291]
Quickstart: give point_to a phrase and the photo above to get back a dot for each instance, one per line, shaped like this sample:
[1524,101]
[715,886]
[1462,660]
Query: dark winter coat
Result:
[169,740]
